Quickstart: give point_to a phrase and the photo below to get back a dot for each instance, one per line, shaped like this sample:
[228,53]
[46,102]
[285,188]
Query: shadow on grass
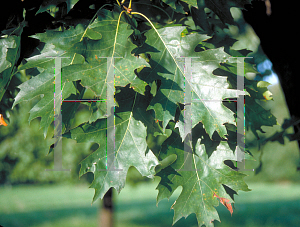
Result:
[275,214]
[145,213]
[39,217]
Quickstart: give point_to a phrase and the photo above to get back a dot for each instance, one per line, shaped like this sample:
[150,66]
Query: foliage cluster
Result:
[147,40]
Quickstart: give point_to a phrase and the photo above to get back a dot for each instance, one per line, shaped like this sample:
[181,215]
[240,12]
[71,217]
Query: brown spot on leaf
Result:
[2,121]
[225,202]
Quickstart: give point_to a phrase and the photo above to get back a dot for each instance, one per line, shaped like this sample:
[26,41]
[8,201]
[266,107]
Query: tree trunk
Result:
[106,210]
[275,24]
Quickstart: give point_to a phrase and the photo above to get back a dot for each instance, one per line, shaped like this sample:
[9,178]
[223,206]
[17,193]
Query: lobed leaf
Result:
[130,150]
[166,47]
[199,184]
[84,59]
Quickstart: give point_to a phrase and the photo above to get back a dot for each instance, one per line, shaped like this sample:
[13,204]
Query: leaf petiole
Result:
[129,6]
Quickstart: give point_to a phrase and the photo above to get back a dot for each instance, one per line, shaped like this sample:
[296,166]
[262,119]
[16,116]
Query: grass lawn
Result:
[66,206]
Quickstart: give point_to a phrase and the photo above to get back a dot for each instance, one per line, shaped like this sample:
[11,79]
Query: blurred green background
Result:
[31,196]
[269,204]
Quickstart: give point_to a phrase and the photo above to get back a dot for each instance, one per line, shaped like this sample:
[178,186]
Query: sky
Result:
[267,65]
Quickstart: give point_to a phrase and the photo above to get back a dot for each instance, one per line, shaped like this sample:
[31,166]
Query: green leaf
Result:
[208,175]
[176,5]
[10,53]
[84,60]
[48,4]
[222,8]
[43,85]
[219,7]
[165,48]
[165,163]
[255,115]
[200,17]
[130,149]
